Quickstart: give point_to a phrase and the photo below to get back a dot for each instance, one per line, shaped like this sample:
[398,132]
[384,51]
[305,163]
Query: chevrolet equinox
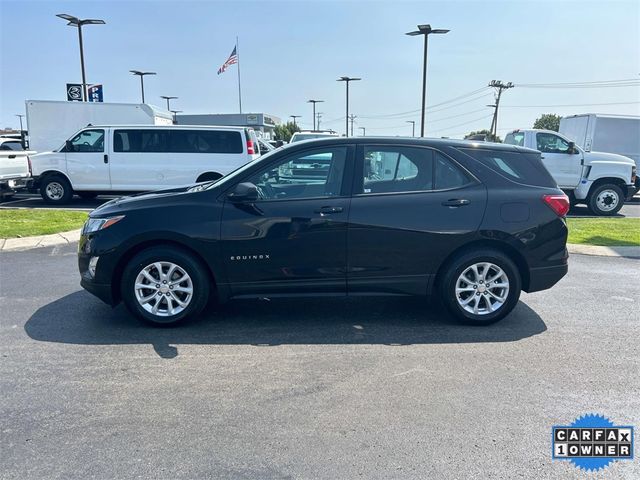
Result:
[472,224]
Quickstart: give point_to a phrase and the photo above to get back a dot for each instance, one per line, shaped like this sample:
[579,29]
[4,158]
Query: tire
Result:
[489,309]
[56,190]
[87,195]
[165,296]
[606,200]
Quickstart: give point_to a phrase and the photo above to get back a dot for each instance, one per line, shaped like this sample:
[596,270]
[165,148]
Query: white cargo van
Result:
[134,158]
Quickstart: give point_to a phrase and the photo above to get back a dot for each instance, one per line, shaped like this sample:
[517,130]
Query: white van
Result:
[114,159]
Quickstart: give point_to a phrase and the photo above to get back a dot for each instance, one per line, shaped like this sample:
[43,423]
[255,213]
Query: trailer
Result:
[596,132]
[50,123]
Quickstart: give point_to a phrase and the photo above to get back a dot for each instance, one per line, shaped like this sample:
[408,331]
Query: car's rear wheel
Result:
[165,286]
[481,287]
[606,200]
[56,190]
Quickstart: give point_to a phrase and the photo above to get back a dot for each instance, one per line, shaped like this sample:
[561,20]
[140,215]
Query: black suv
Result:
[470,223]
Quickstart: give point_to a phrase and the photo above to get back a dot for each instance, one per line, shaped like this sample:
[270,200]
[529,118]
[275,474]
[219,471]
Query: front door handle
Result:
[328,210]
[106,158]
[456,202]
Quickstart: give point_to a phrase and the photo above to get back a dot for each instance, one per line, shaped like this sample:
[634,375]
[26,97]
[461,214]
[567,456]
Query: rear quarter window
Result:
[520,167]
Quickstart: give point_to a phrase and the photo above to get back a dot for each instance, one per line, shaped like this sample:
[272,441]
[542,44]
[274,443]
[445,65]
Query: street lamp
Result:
[425,30]
[364,131]
[77,22]
[167,99]
[413,127]
[141,75]
[294,119]
[175,115]
[347,80]
[314,110]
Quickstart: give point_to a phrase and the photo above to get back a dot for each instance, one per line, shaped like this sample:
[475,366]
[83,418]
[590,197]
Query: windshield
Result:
[298,137]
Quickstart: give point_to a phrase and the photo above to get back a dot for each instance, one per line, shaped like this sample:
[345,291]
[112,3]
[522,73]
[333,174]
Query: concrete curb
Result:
[27,243]
[627,252]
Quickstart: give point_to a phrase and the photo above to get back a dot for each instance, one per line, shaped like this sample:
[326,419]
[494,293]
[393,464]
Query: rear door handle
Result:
[106,158]
[328,210]
[456,202]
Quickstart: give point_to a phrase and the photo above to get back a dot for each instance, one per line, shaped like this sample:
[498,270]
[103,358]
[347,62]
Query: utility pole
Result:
[364,131]
[314,110]
[294,119]
[499,86]
[352,119]
[413,127]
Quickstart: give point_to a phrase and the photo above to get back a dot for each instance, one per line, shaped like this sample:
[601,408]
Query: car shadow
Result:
[78,318]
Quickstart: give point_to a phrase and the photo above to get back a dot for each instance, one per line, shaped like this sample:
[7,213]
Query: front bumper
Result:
[103,292]
[632,190]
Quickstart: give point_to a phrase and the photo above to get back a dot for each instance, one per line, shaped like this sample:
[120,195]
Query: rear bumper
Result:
[542,278]
[103,292]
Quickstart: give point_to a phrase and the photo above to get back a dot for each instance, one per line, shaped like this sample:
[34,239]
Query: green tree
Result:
[548,121]
[489,137]
[284,131]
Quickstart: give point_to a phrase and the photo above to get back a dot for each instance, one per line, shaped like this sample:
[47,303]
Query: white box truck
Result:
[600,180]
[596,132]
[50,123]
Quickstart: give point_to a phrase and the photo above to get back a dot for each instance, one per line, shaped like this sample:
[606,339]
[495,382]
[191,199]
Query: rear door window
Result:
[141,141]
[206,141]
[521,167]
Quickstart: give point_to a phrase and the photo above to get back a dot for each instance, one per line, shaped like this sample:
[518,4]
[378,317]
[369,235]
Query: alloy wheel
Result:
[163,289]
[482,288]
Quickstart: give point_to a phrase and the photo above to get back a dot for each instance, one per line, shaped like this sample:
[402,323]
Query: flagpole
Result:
[239,88]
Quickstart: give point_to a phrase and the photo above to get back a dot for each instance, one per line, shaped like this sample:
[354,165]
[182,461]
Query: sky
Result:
[294,51]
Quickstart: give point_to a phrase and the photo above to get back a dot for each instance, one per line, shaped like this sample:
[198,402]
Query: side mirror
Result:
[68,146]
[572,148]
[279,143]
[245,192]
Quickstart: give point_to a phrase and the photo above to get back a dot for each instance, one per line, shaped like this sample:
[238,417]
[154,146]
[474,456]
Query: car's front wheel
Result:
[481,287]
[606,200]
[165,286]
[56,190]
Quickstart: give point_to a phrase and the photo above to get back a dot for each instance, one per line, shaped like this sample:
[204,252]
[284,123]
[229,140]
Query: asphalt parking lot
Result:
[328,388]
[26,200]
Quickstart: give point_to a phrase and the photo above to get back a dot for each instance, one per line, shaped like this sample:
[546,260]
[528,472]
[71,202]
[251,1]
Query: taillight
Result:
[29,163]
[558,203]
[250,149]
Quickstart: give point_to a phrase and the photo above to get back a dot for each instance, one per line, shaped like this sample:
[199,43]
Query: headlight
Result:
[95,224]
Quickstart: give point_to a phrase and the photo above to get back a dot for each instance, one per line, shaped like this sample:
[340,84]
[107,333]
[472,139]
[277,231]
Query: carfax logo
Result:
[592,442]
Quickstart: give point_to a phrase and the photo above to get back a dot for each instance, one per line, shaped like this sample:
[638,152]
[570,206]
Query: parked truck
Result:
[15,167]
[50,123]
[600,180]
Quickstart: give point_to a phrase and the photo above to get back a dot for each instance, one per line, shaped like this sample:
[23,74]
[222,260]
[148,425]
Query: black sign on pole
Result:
[74,92]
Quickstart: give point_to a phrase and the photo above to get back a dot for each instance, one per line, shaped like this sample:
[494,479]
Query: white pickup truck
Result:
[15,168]
[600,180]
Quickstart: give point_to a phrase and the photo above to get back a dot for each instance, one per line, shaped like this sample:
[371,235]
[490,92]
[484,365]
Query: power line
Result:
[570,105]
[461,124]
[456,116]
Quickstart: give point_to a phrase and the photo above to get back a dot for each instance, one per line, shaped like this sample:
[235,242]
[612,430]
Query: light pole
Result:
[314,110]
[425,30]
[175,117]
[167,99]
[364,131]
[77,22]
[413,127]
[294,119]
[347,80]
[141,75]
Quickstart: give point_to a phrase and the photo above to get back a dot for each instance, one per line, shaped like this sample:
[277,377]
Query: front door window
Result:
[87,141]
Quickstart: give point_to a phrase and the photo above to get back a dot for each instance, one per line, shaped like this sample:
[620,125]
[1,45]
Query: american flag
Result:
[233,58]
